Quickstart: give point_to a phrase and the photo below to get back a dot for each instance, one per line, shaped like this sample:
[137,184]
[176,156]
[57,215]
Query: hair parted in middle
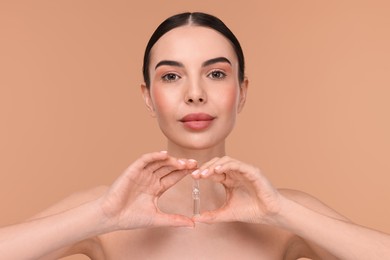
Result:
[196,19]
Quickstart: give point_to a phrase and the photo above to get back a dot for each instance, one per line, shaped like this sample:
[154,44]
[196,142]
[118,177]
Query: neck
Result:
[200,155]
[178,199]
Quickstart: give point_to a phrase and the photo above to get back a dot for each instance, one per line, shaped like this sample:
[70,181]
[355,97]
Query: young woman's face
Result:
[194,88]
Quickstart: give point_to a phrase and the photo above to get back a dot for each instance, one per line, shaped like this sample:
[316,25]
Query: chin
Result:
[209,139]
[198,143]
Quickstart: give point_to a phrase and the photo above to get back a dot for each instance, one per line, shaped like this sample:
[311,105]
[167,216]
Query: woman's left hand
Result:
[250,197]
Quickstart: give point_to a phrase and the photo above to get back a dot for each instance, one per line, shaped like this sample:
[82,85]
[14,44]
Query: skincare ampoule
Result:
[196,197]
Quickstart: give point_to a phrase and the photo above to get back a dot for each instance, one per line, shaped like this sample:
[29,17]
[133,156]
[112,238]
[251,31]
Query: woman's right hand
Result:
[131,201]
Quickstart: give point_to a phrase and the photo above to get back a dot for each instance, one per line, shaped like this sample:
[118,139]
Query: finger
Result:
[209,163]
[239,170]
[149,158]
[173,165]
[219,178]
[211,175]
[210,169]
[173,220]
[230,172]
[203,170]
[214,216]
[162,168]
[157,164]
[139,164]
[226,170]
[171,179]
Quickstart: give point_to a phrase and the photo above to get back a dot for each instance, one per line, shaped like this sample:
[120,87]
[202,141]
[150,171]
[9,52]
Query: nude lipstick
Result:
[197,121]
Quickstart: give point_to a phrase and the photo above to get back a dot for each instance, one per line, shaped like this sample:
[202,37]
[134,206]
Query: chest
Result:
[204,242]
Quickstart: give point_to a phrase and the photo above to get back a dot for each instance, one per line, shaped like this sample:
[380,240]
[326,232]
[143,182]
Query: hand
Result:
[131,202]
[250,197]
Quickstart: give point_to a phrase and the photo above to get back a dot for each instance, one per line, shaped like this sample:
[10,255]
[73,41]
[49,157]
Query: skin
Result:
[221,93]
[147,212]
[191,83]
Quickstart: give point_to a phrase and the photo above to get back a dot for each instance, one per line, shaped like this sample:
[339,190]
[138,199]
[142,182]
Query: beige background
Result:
[317,116]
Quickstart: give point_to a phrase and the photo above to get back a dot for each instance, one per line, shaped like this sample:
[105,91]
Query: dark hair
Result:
[196,18]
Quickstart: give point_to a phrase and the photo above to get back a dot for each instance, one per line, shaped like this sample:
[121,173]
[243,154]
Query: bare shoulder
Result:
[298,247]
[311,202]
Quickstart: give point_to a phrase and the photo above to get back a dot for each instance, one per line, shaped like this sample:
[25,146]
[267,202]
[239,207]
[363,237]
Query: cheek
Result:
[162,101]
[229,99]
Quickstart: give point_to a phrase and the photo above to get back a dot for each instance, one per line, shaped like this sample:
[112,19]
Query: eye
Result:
[216,74]
[170,77]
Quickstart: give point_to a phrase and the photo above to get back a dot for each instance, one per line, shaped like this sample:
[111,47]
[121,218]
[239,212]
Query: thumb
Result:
[173,220]
[210,217]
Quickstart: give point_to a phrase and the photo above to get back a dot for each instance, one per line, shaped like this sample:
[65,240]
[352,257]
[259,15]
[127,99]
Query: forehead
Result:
[191,44]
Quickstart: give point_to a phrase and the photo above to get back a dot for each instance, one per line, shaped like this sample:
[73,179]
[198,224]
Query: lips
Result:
[197,117]
[197,121]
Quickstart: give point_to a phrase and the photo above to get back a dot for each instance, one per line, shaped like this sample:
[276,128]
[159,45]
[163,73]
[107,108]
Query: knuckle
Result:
[146,156]
[236,167]
[257,169]
[215,159]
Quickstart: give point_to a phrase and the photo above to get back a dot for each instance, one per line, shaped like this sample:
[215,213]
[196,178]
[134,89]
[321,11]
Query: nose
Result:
[195,94]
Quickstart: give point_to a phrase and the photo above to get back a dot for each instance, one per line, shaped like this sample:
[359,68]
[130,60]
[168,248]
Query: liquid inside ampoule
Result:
[196,197]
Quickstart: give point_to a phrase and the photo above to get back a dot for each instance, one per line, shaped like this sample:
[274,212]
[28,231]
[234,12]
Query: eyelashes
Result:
[173,77]
[217,74]
[170,77]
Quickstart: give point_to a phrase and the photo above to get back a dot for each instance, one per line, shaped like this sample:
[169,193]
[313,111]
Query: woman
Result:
[195,87]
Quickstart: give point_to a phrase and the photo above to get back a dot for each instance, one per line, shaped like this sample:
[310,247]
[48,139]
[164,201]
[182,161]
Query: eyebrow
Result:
[215,60]
[169,63]
[204,64]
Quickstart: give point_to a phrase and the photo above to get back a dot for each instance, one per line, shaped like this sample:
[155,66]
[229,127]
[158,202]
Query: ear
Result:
[243,91]
[148,99]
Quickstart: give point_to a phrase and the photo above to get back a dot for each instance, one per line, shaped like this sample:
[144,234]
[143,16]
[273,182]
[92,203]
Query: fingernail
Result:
[204,172]
[192,160]
[163,152]
[196,172]
[181,162]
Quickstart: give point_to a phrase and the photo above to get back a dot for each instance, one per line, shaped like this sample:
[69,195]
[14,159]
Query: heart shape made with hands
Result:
[231,190]
[212,196]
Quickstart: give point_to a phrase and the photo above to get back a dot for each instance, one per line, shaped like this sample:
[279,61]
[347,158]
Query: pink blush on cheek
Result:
[161,99]
[227,99]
